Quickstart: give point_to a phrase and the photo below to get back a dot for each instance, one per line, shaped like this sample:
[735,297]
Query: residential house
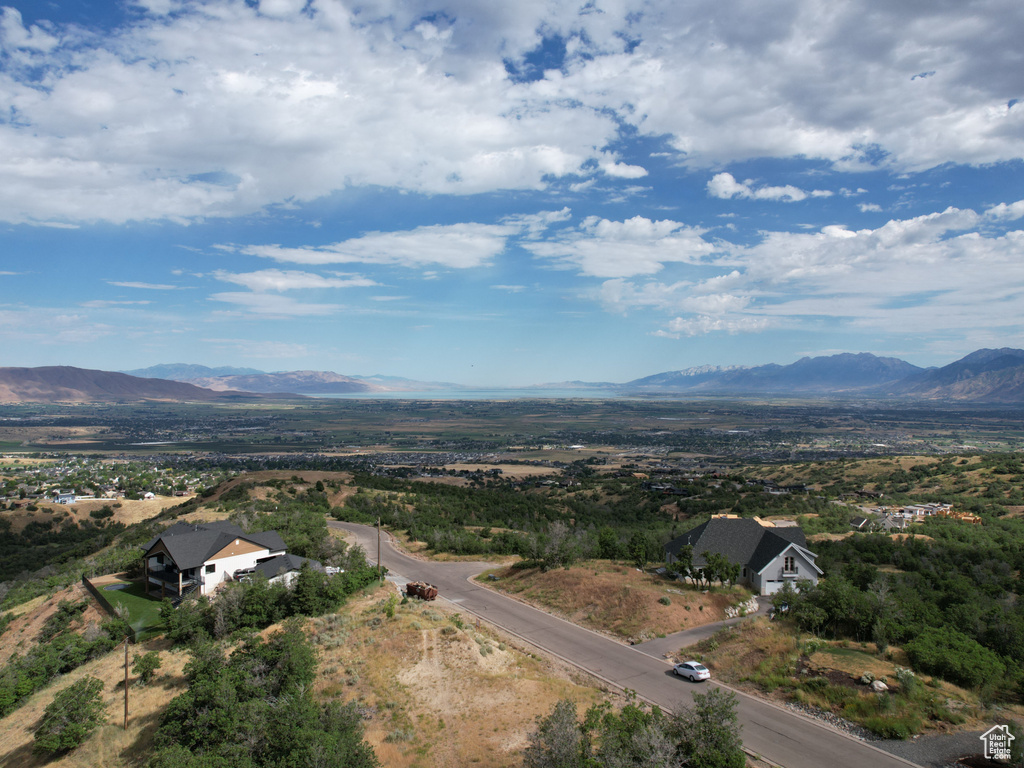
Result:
[189,557]
[768,555]
[893,522]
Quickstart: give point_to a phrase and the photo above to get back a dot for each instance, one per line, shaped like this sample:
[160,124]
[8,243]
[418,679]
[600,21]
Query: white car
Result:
[693,670]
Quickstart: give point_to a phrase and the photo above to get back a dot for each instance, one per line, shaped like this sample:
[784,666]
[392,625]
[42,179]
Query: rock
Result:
[879,687]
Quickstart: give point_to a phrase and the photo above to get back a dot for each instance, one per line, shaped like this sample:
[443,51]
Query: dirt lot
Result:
[616,599]
[437,693]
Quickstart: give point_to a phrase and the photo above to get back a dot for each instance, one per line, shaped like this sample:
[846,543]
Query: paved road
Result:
[781,736]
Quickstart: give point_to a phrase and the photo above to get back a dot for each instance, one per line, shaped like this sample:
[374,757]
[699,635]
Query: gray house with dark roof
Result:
[189,557]
[768,556]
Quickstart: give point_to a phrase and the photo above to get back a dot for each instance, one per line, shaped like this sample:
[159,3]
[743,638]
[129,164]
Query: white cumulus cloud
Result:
[724,186]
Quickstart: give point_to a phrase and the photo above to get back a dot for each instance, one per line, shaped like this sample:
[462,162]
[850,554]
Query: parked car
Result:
[693,670]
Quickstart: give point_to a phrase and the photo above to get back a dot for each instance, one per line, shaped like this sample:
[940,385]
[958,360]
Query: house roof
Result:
[285,563]
[740,540]
[190,544]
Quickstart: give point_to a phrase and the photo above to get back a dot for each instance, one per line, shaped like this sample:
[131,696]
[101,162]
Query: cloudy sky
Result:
[508,193]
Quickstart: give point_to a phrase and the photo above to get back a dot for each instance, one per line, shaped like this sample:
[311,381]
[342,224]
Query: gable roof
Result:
[285,563]
[190,544]
[740,540]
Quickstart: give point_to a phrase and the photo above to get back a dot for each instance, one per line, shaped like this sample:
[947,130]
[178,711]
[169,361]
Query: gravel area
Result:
[839,723]
[935,750]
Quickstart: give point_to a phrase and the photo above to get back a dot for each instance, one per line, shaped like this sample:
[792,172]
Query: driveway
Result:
[661,647]
[782,736]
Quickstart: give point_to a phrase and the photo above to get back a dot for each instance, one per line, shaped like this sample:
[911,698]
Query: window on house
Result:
[789,564]
[160,558]
[211,568]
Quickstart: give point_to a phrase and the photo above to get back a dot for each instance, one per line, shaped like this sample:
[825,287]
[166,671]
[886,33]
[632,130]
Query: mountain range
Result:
[984,376]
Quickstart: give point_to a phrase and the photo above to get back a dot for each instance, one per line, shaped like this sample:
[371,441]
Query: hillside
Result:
[53,384]
[992,375]
[186,371]
[984,376]
[821,375]
[426,684]
[298,382]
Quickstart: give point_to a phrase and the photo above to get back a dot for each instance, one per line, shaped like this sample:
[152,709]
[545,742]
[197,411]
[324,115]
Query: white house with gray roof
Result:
[768,555]
[190,557]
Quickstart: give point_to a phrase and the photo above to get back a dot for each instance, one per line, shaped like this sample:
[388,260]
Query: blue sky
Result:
[506,194]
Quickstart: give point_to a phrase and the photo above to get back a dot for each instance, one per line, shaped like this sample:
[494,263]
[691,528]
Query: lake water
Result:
[479,394]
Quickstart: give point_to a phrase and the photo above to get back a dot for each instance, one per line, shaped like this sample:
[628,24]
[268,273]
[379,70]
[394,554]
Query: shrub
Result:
[955,657]
[898,727]
[72,715]
[146,666]
[664,600]
[816,683]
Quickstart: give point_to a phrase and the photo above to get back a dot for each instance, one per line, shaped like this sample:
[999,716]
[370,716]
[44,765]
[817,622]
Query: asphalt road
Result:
[780,735]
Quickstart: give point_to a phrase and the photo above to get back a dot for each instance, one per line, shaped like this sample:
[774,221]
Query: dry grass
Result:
[23,632]
[768,660]
[433,693]
[508,470]
[616,599]
[111,746]
[437,694]
[125,510]
[734,653]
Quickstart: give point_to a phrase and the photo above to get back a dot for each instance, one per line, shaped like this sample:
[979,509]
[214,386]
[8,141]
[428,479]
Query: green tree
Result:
[641,548]
[955,657]
[683,562]
[73,714]
[710,731]
[145,666]
[608,546]
[558,741]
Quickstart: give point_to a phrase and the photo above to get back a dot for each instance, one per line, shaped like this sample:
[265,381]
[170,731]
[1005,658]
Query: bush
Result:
[955,657]
[900,727]
[146,666]
[815,683]
[664,600]
[72,715]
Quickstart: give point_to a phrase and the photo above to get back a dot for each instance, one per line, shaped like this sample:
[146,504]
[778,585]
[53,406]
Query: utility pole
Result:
[126,682]
[380,565]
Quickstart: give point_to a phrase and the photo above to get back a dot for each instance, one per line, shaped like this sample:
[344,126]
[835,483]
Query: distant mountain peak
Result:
[188,371]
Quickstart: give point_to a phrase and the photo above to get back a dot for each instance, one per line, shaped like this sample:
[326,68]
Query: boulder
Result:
[879,687]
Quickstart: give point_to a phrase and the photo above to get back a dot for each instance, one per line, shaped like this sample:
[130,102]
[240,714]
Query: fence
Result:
[105,603]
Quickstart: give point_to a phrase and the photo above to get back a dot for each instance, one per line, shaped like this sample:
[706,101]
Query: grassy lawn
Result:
[143,611]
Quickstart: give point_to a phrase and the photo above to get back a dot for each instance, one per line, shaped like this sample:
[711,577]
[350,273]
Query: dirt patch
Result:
[439,690]
[829,536]
[24,631]
[618,600]
[905,536]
